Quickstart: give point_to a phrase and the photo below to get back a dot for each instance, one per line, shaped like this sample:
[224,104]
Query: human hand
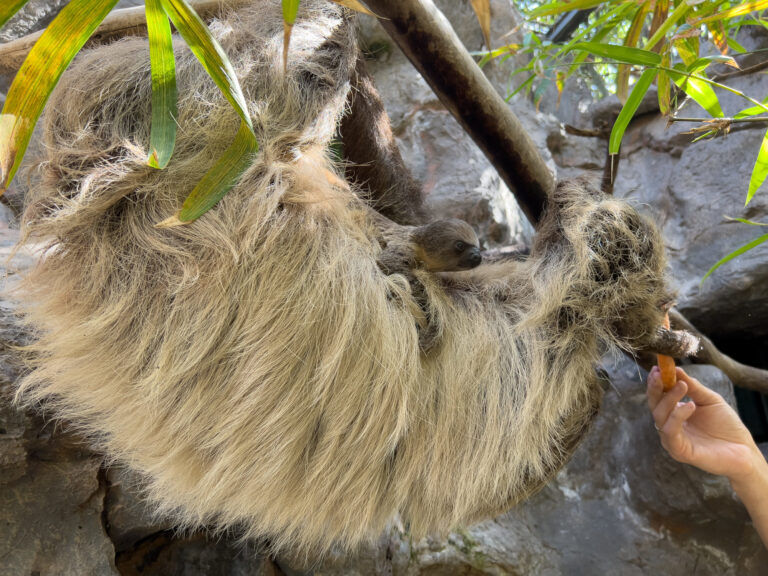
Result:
[705,432]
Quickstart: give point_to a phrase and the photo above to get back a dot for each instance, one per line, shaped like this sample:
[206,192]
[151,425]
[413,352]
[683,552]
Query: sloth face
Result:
[447,246]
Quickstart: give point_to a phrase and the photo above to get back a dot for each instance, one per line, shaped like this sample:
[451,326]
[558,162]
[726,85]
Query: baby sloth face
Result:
[447,246]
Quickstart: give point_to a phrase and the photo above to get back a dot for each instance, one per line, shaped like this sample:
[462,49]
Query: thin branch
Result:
[426,37]
[740,374]
[117,24]
[759,119]
[586,132]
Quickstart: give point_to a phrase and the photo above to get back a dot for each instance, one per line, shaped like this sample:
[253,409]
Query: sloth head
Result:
[446,246]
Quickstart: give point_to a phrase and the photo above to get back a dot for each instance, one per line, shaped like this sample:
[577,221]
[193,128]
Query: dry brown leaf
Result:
[482,9]
[171,222]
[355,5]
[287,29]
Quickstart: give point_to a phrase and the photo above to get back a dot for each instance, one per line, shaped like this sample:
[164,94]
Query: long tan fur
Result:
[256,366]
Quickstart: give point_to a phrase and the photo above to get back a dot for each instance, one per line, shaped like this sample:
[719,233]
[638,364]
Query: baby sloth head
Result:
[446,246]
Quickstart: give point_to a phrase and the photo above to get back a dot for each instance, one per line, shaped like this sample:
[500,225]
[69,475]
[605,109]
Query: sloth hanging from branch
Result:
[292,364]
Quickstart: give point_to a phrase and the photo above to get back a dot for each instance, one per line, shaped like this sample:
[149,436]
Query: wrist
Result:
[753,479]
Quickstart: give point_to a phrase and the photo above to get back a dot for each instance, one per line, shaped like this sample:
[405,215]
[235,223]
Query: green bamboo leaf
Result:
[630,41]
[735,46]
[560,7]
[164,110]
[602,25]
[701,64]
[9,9]
[629,109]
[620,53]
[760,171]
[752,111]
[698,89]
[745,221]
[524,86]
[735,253]
[219,179]
[606,27]
[208,52]
[290,11]
[38,76]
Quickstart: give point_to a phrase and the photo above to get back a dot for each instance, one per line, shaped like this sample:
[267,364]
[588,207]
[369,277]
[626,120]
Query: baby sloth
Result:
[442,246]
[446,246]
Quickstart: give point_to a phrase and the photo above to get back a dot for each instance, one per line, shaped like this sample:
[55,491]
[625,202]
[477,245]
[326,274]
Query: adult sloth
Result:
[257,366]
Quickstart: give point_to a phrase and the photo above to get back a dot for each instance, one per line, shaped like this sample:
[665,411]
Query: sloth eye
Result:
[460,246]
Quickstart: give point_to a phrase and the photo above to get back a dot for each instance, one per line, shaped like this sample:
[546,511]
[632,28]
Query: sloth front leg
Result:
[613,258]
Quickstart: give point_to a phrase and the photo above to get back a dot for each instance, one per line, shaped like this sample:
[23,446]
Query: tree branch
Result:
[740,374]
[117,24]
[430,43]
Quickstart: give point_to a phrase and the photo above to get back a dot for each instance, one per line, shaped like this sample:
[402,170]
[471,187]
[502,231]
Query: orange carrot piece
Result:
[667,364]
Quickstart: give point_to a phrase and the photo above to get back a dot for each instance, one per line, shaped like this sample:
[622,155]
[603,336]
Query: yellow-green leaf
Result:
[682,9]
[631,40]
[735,253]
[9,9]
[164,109]
[752,110]
[356,6]
[688,49]
[760,171]
[739,10]
[39,74]
[628,110]
[290,11]
[698,89]
[219,179]
[482,9]
[208,52]
[663,84]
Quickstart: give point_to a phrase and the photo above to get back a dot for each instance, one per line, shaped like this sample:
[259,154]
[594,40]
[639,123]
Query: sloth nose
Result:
[475,257]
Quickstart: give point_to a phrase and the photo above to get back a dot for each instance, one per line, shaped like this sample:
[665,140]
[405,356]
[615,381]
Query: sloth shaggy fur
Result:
[256,367]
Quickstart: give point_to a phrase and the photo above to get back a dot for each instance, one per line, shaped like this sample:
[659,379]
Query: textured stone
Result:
[689,197]
[128,516]
[198,555]
[457,178]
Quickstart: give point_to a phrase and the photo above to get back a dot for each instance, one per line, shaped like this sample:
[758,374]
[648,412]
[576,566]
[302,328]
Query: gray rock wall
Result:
[621,506]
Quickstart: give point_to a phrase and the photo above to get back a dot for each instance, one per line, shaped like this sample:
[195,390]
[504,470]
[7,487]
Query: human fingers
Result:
[697,391]
[655,388]
[671,432]
[680,413]
[668,403]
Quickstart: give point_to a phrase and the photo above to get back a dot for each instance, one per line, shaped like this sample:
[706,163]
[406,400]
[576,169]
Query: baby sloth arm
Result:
[442,246]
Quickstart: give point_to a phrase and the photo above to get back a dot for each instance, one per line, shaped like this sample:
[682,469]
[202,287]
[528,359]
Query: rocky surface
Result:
[621,506]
